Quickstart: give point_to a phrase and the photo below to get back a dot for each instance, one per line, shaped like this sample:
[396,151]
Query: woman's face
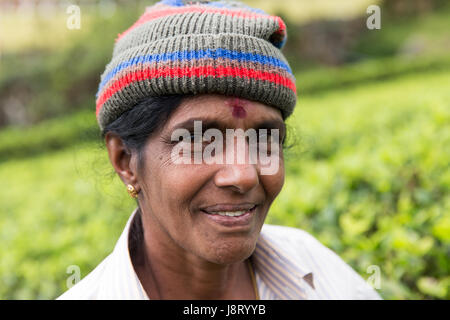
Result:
[187,202]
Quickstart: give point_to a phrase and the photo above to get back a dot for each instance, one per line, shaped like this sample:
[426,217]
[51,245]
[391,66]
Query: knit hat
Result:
[194,47]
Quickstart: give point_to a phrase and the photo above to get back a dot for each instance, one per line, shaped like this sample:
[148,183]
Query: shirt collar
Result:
[121,280]
[278,274]
[279,271]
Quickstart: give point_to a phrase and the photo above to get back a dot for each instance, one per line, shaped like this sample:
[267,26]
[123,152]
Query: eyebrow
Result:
[273,124]
[214,124]
[206,124]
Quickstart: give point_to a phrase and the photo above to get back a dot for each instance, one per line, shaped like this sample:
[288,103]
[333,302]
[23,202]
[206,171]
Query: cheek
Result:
[273,183]
[170,192]
[171,188]
[169,184]
[174,191]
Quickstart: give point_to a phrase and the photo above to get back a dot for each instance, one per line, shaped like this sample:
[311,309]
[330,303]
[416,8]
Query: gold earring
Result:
[132,191]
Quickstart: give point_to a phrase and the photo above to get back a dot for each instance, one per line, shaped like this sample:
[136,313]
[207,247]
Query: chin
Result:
[231,252]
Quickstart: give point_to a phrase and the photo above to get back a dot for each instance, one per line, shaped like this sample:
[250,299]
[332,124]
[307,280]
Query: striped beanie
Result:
[195,47]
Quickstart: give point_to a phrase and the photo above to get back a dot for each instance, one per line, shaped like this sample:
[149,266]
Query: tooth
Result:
[230,213]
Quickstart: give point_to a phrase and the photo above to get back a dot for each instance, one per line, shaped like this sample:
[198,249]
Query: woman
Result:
[198,232]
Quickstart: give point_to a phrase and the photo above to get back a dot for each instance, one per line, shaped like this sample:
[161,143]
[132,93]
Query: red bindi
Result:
[238,107]
[239,112]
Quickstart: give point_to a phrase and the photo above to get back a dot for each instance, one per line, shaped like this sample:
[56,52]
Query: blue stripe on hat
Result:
[196,54]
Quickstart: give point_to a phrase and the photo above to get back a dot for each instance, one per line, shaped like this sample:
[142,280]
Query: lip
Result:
[229,207]
[227,221]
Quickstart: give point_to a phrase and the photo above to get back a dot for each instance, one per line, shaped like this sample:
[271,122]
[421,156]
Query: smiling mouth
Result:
[237,216]
[230,213]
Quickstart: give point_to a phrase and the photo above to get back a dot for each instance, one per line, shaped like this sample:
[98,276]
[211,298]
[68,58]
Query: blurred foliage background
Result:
[369,175]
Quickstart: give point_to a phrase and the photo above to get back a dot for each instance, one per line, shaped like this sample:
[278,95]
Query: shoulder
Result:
[279,233]
[297,242]
[333,277]
[90,287]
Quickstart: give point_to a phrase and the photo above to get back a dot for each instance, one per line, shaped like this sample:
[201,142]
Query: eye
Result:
[263,137]
[267,137]
[197,138]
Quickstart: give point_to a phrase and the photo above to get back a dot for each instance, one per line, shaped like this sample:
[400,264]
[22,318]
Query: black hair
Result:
[137,124]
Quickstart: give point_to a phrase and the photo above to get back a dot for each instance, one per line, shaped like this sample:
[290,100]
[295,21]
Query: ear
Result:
[123,161]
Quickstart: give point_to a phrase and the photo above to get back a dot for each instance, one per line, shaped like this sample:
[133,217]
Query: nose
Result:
[239,177]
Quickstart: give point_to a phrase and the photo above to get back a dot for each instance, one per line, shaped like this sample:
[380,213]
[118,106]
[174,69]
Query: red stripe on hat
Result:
[151,73]
[154,14]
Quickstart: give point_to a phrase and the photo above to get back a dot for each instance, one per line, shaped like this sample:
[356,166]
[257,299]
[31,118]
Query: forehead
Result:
[230,111]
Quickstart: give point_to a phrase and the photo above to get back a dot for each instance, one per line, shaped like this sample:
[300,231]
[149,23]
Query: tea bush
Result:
[369,177]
